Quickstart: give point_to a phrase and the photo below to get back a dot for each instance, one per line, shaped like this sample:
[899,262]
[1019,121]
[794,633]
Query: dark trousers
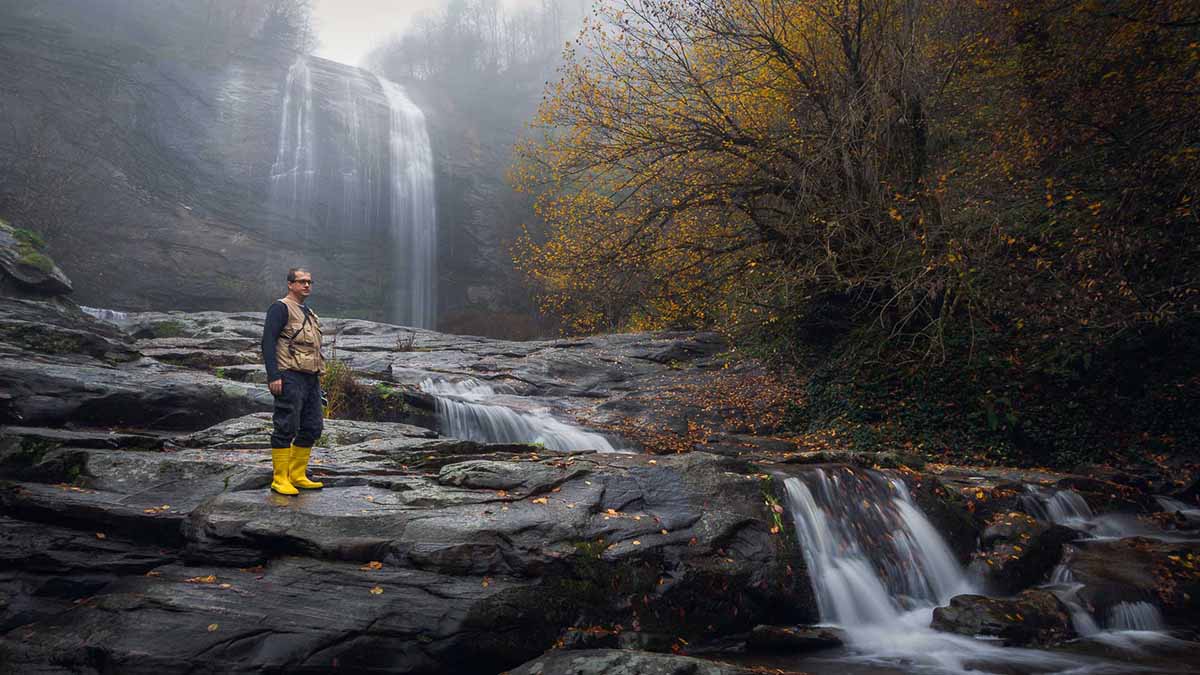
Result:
[298,416]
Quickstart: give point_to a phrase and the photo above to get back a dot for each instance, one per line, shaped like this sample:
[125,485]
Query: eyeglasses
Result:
[306,282]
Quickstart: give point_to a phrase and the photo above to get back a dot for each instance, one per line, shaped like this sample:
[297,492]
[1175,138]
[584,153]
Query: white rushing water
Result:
[1135,616]
[1068,508]
[464,412]
[294,173]
[879,568]
[414,212]
[106,315]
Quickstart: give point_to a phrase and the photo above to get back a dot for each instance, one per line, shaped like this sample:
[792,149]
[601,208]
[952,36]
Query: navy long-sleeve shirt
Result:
[277,318]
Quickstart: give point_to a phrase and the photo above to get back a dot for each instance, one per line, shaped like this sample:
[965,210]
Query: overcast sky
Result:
[348,29]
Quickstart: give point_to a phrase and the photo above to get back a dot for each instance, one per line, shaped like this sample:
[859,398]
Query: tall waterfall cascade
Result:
[294,173]
[466,410]
[353,164]
[414,212]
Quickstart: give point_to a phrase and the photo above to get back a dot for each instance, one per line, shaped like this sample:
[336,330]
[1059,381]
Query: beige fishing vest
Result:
[299,345]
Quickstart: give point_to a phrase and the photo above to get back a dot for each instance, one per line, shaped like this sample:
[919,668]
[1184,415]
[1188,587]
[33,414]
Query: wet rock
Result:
[1034,617]
[795,638]
[510,476]
[1137,569]
[24,264]
[293,614]
[58,328]
[621,662]
[1018,551]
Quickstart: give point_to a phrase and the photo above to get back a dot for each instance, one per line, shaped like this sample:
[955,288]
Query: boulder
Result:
[1138,569]
[1034,617]
[25,267]
[1018,551]
[795,638]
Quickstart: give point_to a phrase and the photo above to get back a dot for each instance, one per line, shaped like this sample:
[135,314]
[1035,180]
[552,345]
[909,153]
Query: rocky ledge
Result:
[139,534]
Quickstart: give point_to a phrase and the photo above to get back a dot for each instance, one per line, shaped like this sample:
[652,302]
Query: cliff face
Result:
[169,179]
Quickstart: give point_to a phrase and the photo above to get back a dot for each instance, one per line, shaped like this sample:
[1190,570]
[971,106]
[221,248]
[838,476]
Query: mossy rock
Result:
[22,259]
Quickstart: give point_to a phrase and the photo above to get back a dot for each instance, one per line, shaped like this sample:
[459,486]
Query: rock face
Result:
[163,169]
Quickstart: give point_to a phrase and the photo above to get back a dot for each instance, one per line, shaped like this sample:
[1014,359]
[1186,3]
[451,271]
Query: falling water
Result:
[107,315]
[463,414]
[1068,508]
[414,216]
[1135,616]
[867,546]
[878,568]
[293,175]
[1066,587]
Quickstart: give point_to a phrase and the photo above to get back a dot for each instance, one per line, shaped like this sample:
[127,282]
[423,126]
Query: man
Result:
[291,348]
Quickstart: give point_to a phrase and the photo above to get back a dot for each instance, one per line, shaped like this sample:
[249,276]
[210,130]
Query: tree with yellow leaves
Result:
[724,162]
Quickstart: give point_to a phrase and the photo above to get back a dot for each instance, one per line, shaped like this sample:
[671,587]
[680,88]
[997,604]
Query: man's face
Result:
[302,286]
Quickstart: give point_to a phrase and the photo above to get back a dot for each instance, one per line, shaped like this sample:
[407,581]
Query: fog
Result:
[348,29]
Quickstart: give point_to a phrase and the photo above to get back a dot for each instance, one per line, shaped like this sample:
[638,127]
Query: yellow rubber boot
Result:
[281,459]
[299,465]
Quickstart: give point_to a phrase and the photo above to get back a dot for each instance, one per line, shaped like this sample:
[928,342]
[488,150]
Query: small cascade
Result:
[414,215]
[870,551]
[294,173]
[1135,616]
[879,568]
[1068,508]
[106,315]
[464,414]
[1065,586]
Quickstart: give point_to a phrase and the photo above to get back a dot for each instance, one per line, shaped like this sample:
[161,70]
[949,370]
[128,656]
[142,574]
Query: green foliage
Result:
[168,329]
[348,399]
[1124,401]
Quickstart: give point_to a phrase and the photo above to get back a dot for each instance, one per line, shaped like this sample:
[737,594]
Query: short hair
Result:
[292,273]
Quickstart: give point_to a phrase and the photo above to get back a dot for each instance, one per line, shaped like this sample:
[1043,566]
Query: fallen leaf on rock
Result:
[373,565]
[540,500]
[226,586]
[210,579]
[662,531]
[101,535]
[486,582]
[636,542]
[376,590]
[212,627]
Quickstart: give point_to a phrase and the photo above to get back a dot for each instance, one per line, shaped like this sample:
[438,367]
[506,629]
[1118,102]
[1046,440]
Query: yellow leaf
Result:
[540,500]
[376,590]
[373,565]
[212,627]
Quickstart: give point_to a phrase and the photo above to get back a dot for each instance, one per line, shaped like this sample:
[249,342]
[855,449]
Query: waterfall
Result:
[878,568]
[463,413]
[1068,508]
[1135,616]
[106,315]
[868,547]
[293,175]
[414,216]
[354,166]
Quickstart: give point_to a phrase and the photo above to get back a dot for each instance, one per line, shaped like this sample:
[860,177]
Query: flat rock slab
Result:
[295,614]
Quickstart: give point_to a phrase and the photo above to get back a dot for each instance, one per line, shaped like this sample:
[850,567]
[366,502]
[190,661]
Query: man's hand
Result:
[276,386]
